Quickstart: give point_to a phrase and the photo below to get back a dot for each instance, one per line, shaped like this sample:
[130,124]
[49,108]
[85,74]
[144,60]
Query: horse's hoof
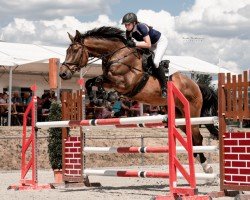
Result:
[208,169]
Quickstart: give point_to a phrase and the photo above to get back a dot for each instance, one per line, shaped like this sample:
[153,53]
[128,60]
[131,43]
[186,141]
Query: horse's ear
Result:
[78,35]
[71,38]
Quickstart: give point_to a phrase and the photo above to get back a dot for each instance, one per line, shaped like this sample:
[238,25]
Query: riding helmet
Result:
[129,18]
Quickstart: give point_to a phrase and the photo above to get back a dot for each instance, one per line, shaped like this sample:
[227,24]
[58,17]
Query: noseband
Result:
[76,63]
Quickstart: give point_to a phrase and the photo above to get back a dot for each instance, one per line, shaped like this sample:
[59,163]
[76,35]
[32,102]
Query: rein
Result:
[93,59]
[109,63]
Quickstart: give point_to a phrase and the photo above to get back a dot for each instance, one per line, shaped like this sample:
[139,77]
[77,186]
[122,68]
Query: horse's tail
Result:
[209,107]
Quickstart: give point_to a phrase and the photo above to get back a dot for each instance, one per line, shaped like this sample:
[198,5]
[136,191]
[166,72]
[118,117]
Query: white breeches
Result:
[159,48]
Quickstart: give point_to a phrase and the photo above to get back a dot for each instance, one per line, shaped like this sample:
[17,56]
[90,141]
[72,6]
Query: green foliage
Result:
[55,137]
[203,79]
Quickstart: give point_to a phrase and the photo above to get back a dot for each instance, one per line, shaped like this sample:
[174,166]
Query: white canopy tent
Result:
[23,55]
[30,58]
[12,54]
[193,65]
[16,54]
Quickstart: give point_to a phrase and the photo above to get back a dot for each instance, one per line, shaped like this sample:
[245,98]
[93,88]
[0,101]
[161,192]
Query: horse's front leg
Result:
[98,82]
[197,141]
[88,85]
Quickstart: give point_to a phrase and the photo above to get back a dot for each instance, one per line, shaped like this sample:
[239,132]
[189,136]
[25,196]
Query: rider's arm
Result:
[144,31]
[144,44]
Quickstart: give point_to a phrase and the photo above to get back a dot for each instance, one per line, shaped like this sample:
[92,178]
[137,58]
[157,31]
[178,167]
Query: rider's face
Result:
[129,26]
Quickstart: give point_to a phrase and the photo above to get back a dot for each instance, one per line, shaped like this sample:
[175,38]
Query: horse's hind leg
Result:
[197,139]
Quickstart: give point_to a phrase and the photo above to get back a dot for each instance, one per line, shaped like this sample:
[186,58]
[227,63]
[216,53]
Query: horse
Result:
[123,71]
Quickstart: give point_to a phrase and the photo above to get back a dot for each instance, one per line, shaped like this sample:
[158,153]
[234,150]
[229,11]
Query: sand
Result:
[113,188]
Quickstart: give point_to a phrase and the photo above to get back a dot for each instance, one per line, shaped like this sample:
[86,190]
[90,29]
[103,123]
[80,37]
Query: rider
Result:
[147,37]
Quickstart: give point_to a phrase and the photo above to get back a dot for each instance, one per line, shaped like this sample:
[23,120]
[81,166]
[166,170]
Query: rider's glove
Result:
[131,43]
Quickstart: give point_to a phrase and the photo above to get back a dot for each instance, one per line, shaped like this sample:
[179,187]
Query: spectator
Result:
[162,110]
[52,96]
[26,98]
[105,112]
[127,102]
[153,110]
[46,102]
[135,109]
[119,108]
[3,98]
[16,99]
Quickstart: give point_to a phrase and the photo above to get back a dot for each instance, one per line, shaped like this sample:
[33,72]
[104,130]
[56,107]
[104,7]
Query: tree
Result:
[203,79]
[55,137]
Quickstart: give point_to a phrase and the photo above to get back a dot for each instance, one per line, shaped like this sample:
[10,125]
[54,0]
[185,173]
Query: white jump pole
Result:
[142,174]
[123,121]
[179,149]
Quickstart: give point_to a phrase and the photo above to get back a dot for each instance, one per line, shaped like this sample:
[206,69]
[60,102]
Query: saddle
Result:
[147,60]
[148,63]
[149,69]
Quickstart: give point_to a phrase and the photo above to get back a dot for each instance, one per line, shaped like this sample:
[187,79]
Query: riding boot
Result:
[160,73]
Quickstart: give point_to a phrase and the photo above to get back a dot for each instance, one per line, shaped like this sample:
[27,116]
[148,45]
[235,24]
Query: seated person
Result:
[119,108]
[17,102]
[26,98]
[3,98]
[16,99]
[162,110]
[105,112]
[4,106]
[135,109]
[153,110]
[3,101]
[46,102]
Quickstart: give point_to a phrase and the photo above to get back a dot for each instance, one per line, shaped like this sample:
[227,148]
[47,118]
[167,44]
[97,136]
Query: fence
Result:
[234,105]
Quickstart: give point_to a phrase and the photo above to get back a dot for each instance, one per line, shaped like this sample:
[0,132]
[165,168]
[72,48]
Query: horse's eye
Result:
[76,69]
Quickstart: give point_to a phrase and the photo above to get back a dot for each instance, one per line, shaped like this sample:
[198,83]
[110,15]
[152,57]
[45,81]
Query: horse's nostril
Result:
[63,74]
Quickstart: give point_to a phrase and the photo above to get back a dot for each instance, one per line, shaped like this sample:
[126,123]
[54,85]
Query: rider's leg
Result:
[159,51]
[160,73]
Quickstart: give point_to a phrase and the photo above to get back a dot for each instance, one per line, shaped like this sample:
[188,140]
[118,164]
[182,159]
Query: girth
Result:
[139,86]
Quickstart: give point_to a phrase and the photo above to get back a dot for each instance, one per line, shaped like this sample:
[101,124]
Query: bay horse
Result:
[123,72]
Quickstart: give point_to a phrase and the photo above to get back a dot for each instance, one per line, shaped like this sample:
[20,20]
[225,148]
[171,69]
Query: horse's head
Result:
[76,57]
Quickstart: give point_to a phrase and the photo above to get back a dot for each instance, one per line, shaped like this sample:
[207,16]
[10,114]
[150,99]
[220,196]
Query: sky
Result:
[216,31]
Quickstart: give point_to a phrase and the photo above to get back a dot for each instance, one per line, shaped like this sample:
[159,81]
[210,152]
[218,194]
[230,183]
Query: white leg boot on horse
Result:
[206,167]
[197,141]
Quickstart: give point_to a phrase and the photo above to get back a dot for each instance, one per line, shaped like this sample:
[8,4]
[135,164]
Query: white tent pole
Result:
[10,92]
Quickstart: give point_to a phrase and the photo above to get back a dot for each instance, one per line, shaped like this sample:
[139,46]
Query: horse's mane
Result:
[106,32]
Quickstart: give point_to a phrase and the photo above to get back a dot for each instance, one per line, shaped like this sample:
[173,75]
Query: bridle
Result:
[91,60]
[76,63]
